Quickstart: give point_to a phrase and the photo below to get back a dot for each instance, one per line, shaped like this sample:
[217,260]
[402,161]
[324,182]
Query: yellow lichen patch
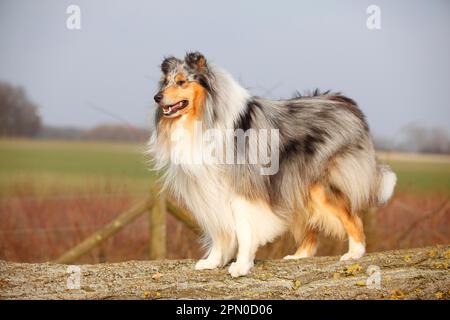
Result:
[297,284]
[326,290]
[439,295]
[441,265]
[361,283]
[397,295]
[407,258]
[432,253]
[447,254]
[156,276]
[263,276]
[352,270]
[151,295]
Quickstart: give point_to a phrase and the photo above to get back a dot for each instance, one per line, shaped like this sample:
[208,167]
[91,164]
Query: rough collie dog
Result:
[326,172]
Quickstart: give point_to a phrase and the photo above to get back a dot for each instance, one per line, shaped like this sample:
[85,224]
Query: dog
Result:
[327,172]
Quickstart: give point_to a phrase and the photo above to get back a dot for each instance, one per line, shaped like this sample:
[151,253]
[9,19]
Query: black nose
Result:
[158,97]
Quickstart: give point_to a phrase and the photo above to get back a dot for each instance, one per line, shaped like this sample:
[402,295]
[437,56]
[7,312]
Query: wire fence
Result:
[65,198]
[422,216]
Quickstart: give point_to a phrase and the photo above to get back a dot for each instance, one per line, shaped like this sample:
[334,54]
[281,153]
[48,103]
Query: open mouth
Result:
[174,108]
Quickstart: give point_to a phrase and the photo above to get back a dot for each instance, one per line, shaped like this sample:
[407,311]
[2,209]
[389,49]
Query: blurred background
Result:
[76,106]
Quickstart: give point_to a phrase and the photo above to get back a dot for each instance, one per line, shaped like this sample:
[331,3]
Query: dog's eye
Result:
[181,82]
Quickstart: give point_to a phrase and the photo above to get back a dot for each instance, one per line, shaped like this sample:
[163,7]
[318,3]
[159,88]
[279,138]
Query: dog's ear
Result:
[169,63]
[196,61]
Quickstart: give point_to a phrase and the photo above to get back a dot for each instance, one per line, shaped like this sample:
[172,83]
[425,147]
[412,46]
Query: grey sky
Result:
[399,74]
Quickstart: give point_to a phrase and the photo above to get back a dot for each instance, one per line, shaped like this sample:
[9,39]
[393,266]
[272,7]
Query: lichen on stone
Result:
[352,269]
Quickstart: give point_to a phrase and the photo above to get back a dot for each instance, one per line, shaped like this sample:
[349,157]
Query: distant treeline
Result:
[19,117]
[416,138]
[104,132]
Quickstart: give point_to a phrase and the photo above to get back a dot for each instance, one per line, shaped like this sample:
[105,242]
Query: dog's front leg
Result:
[246,250]
[214,258]
[247,246]
[221,252]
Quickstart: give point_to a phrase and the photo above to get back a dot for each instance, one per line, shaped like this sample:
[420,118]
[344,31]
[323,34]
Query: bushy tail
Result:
[386,183]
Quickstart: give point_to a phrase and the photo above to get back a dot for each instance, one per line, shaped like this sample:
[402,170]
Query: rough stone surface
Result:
[421,273]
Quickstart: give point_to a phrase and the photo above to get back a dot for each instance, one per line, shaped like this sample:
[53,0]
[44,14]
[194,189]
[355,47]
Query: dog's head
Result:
[184,85]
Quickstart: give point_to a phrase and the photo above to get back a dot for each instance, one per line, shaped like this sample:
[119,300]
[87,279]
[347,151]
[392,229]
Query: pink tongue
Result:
[175,106]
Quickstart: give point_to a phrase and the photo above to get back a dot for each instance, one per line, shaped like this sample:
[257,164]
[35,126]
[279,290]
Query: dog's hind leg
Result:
[351,222]
[356,238]
[308,245]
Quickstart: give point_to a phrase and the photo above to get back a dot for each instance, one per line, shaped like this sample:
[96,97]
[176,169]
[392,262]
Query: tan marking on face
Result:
[191,91]
[198,99]
[180,77]
[338,206]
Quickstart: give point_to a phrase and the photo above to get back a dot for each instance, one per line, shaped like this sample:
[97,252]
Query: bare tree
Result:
[18,115]
[420,139]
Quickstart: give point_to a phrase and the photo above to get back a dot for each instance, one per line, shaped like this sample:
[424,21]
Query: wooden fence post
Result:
[182,215]
[157,229]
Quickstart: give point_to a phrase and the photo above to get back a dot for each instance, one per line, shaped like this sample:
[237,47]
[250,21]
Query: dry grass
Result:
[40,228]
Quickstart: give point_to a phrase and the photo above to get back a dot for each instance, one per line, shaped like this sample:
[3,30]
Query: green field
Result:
[419,172]
[422,176]
[62,166]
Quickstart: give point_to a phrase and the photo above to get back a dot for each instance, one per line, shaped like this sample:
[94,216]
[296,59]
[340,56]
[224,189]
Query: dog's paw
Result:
[293,257]
[239,269]
[301,255]
[206,264]
[354,255]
